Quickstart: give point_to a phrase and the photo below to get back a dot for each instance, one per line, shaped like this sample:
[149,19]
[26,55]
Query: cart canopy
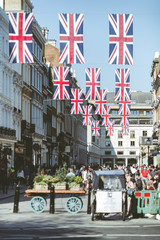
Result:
[109,180]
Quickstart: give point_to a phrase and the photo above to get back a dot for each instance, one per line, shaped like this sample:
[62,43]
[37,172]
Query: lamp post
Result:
[148,143]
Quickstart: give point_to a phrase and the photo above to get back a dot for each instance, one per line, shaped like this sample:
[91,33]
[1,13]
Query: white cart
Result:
[108,193]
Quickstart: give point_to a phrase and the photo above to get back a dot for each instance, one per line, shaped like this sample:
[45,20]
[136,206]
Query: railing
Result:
[7,131]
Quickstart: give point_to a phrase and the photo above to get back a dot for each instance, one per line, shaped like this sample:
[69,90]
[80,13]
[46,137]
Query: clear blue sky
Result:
[146,33]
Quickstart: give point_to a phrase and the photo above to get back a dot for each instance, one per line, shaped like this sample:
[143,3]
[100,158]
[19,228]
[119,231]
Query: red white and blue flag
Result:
[125,129]
[110,128]
[124,108]
[122,85]
[71,38]
[61,83]
[101,102]
[106,116]
[87,115]
[92,83]
[124,112]
[95,128]
[76,101]
[121,39]
[20,37]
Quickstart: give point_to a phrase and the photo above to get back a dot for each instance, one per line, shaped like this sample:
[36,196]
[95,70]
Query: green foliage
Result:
[38,178]
[55,179]
[70,179]
[62,172]
[78,179]
[48,179]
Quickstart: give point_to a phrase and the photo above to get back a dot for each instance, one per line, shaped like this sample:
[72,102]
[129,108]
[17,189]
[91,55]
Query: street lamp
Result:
[148,143]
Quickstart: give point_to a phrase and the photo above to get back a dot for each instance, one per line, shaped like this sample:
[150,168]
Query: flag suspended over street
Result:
[20,37]
[92,83]
[95,128]
[121,39]
[76,101]
[61,83]
[71,38]
[122,85]
[106,116]
[110,128]
[87,115]
[124,108]
[101,102]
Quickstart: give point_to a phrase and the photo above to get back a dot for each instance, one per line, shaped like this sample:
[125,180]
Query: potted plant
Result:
[40,183]
[60,177]
[76,183]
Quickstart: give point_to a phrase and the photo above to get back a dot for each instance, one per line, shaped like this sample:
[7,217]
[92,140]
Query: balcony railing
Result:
[7,131]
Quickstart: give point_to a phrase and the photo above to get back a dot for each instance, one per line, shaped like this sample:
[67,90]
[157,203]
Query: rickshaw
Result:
[108,193]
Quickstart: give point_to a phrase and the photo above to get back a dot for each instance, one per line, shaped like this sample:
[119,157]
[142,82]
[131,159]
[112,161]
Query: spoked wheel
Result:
[38,204]
[73,205]
[93,210]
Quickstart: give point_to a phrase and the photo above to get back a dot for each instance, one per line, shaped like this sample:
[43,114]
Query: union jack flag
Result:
[20,37]
[95,128]
[61,83]
[87,115]
[92,83]
[121,39]
[110,128]
[122,85]
[125,129]
[124,108]
[71,38]
[101,102]
[106,116]
[124,122]
[76,101]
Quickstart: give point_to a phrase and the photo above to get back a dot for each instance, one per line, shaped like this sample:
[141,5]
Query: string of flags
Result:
[71,52]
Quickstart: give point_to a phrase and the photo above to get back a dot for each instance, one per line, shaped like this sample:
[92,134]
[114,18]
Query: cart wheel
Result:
[81,202]
[124,212]
[93,210]
[38,204]
[73,205]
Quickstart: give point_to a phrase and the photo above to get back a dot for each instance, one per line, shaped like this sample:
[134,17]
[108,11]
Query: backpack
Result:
[139,185]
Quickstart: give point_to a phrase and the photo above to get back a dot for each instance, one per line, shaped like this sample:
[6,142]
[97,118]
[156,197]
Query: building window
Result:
[107,152]
[107,135]
[144,133]
[132,134]
[132,143]
[120,153]
[93,138]
[134,112]
[120,134]
[132,153]
[114,112]
[120,143]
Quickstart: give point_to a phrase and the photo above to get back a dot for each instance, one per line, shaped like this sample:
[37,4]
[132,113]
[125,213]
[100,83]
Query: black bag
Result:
[139,184]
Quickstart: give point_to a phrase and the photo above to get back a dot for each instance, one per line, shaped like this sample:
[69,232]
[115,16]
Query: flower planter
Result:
[76,187]
[40,187]
[60,186]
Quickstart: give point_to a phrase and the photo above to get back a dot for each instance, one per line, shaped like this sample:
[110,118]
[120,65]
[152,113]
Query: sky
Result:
[146,36]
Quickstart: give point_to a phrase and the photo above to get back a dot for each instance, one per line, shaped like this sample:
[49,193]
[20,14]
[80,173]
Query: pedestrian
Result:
[84,176]
[70,173]
[20,176]
[26,174]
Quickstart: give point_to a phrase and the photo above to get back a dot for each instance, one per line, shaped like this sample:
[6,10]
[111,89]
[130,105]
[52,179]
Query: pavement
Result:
[11,192]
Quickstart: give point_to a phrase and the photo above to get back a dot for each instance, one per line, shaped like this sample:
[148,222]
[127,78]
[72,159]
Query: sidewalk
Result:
[11,192]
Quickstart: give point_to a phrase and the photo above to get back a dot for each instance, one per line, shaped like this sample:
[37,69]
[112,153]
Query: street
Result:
[63,225]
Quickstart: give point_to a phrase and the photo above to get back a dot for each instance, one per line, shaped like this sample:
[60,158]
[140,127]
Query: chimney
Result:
[45,32]
[156,54]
